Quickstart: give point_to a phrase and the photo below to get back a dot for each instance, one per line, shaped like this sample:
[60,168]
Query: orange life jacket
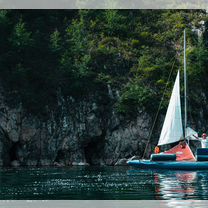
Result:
[157,150]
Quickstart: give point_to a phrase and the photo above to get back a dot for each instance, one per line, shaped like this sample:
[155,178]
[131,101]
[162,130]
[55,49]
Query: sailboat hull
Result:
[147,164]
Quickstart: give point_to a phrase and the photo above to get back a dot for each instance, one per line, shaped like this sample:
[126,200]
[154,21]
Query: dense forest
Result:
[77,53]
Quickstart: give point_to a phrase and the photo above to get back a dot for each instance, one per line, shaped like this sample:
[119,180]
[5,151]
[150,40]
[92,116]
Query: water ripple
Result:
[101,183]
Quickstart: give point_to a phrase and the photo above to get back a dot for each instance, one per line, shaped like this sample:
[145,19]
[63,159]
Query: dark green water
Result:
[101,183]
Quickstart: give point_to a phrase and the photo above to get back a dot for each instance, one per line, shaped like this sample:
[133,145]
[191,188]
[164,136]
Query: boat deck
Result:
[172,165]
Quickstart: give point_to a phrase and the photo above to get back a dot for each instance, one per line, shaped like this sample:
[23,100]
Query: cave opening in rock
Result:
[62,156]
[94,150]
[9,148]
[13,155]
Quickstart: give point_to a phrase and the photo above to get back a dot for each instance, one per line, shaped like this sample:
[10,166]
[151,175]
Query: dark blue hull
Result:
[147,164]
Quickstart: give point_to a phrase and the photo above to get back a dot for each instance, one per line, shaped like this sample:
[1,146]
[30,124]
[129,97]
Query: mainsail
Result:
[172,129]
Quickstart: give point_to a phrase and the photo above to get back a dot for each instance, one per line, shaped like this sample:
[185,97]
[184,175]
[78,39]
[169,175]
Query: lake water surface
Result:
[101,183]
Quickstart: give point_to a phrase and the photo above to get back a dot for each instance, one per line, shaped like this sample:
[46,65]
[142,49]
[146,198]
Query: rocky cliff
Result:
[75,132]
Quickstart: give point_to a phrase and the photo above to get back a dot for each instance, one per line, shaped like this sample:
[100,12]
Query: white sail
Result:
[191,134]
[172,129]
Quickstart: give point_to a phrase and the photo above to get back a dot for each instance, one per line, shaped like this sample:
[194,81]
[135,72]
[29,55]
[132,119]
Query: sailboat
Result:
[180,157]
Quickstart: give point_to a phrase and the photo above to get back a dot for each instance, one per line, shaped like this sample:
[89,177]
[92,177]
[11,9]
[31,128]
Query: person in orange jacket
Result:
[157,150]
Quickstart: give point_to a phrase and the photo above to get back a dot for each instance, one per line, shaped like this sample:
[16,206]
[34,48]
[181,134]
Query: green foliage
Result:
[82,52]
[55,40]
[135,97]
[3,17]
[115,23]
[21,37]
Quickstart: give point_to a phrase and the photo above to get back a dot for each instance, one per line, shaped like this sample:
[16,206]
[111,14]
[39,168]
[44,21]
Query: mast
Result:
[185,87]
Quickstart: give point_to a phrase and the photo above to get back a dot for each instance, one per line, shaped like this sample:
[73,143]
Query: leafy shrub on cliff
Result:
[135,97]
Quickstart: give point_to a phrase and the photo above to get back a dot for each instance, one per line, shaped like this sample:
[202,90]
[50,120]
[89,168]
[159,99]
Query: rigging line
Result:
[150,135]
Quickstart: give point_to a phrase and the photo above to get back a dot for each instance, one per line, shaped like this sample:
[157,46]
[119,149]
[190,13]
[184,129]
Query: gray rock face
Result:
[121,162]
[76,133]
[15,163]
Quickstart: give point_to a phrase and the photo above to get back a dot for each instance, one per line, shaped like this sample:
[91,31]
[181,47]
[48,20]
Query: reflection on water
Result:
[178,184]
[102,183]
